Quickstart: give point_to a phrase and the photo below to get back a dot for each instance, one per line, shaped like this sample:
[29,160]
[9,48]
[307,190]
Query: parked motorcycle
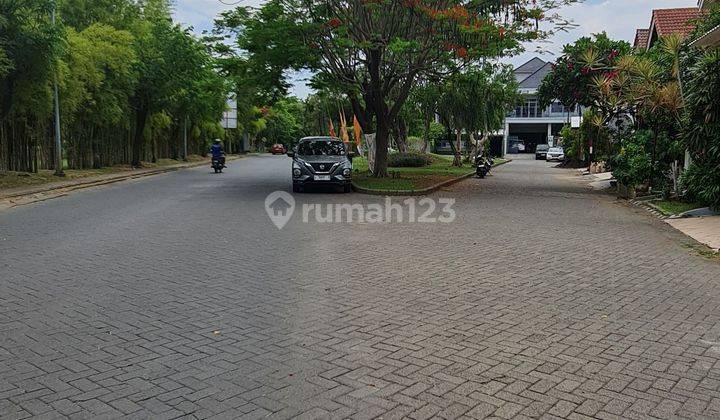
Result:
[483,165]
[218,163]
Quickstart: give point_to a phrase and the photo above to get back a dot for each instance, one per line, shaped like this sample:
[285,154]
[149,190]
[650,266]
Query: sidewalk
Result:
[705,230]
[12,197]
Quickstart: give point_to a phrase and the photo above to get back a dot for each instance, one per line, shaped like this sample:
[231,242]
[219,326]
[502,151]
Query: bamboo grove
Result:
[130,82]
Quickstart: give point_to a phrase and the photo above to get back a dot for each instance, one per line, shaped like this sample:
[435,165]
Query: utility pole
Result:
[185,157]
[58,142]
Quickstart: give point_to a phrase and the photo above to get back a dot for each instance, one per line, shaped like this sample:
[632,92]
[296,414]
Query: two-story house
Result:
[530,125]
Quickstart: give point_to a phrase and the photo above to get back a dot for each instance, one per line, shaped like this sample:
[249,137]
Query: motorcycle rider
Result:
[217,152]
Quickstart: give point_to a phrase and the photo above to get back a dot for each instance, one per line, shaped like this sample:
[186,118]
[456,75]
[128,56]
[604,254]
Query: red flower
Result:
[334,22]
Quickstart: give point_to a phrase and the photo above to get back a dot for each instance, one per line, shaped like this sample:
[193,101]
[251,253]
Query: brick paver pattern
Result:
[175,296]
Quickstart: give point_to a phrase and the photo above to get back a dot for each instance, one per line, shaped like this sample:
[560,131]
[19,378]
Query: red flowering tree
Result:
[576,73]
[375,50]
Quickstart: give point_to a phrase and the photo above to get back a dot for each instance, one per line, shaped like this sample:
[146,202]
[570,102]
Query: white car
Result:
[555,153]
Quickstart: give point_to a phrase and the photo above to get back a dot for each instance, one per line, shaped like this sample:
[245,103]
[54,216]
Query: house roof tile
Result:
[674,21]
[641,38]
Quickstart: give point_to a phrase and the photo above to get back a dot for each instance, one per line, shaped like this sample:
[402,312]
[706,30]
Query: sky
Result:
[619,18]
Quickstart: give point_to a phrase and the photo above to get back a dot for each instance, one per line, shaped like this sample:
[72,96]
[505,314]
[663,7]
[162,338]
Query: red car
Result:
[277,149]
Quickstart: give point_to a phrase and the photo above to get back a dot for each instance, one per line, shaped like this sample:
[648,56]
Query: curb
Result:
[423,191]
[99,182]
[651,208]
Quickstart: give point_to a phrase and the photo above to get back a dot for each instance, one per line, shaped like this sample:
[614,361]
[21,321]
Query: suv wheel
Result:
[296,188]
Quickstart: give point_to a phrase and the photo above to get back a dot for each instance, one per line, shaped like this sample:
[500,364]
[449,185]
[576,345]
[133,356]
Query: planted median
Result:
[410,174]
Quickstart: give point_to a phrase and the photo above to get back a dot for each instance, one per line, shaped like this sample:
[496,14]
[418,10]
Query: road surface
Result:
[175,295]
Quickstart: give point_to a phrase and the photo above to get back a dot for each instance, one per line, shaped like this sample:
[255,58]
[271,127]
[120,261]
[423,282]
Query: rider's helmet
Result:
[216,141]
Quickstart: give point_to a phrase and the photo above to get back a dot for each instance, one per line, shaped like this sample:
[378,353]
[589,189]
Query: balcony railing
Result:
[529,112]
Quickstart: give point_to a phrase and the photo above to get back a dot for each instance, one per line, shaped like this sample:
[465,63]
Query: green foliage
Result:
[710,21]
[409,160]
[375,51]
[702,129]
[437,133]
[573,73]
[284,123]
[573,145]
[415,143]
[124,71]
[702,183]
[467,98]
[632,166]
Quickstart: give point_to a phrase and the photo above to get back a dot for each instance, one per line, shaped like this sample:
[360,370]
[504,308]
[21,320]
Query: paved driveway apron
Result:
[175,296]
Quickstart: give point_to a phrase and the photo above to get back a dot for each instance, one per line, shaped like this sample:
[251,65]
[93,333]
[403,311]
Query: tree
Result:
[29,49]
[701,129]
[169,61]
[119,64]
[426,95]
[574,73]
[97,79]
[376,51]
[284,122]
[477,101]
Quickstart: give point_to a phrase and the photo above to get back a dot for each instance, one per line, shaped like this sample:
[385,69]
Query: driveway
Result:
[176,296]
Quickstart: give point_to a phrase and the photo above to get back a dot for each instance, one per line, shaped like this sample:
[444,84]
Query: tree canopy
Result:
[128,78]
[375,52]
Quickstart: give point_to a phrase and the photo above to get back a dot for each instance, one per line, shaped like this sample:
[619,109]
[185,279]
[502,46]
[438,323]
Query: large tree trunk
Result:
[139,139]
[382,137]
[426,135]
[457,161]
[401,138]
[382,119]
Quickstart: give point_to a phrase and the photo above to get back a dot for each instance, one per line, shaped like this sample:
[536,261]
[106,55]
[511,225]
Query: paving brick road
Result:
[175,296]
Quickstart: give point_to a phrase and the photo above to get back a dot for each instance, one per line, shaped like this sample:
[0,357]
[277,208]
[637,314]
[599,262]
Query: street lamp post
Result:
[58,142]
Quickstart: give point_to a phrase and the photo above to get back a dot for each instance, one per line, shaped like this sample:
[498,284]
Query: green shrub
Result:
[409,160]
[702,183]
[632,166]
[437,134]
[701,130]
[414,143]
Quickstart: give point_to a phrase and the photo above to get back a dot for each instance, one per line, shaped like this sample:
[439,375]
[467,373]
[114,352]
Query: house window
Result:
[558,108]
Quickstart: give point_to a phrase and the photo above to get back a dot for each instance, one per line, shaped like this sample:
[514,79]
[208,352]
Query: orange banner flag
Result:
[356,131]
[343,129]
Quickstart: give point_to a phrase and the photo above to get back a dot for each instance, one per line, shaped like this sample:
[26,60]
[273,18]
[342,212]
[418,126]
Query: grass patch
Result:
[25,179]
[405,179]
[704,251]
[671,207]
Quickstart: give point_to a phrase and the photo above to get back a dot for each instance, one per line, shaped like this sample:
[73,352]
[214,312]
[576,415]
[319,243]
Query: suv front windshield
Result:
[321,148]
[542,147]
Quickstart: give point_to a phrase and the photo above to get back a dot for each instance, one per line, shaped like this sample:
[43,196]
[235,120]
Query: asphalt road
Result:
[176,295]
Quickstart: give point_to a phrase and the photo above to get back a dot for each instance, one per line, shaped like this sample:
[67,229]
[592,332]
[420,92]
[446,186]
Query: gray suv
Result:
[321,161]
